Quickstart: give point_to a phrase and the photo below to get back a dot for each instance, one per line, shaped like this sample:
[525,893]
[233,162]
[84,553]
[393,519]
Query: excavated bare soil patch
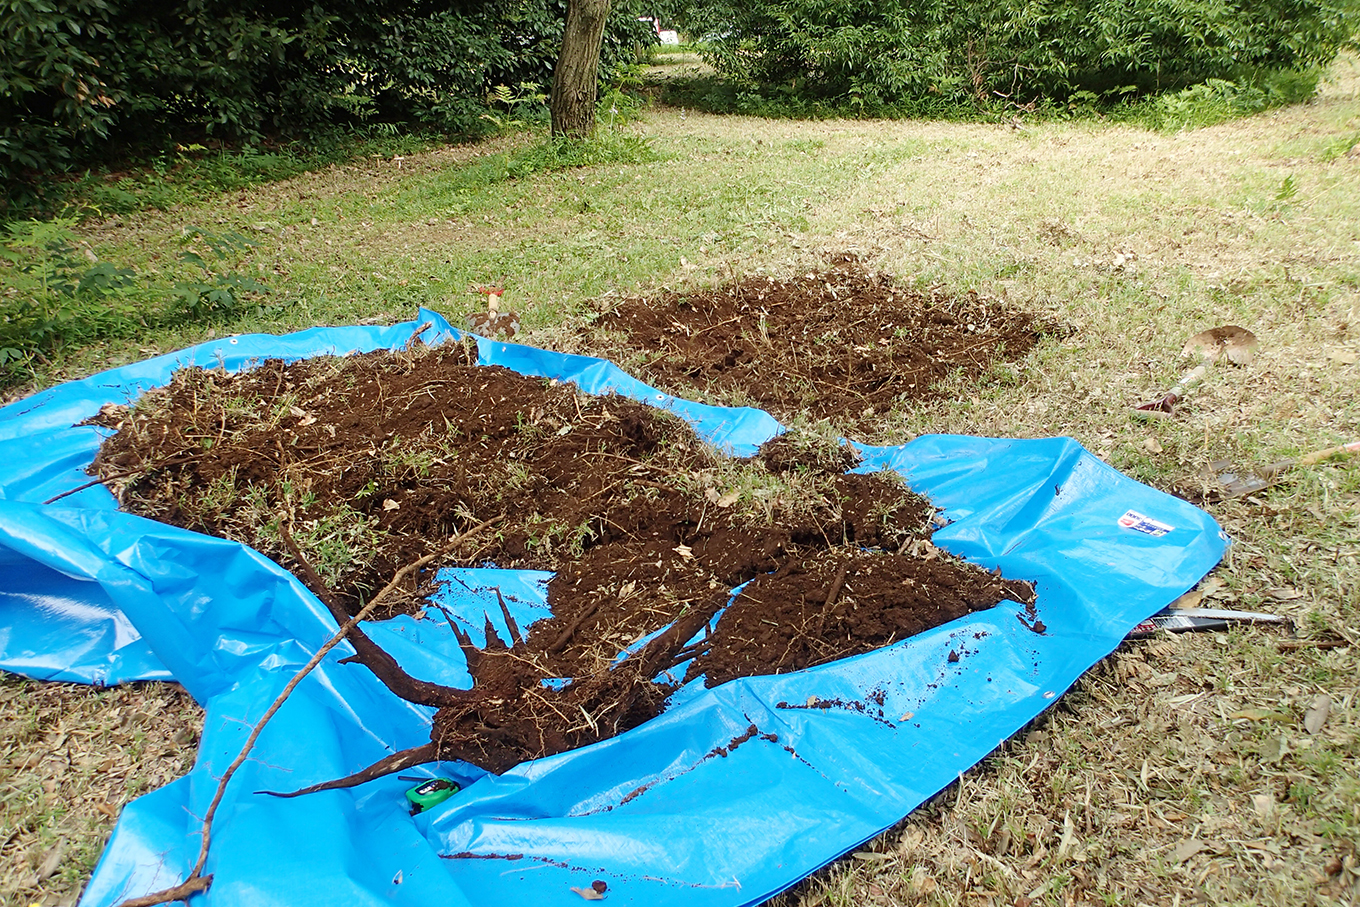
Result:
[345,470]
[845,344]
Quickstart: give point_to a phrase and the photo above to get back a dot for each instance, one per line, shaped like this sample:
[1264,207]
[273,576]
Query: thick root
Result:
[417,755]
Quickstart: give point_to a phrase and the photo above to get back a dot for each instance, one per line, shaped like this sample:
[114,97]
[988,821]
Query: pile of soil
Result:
[347,469]
[846,344]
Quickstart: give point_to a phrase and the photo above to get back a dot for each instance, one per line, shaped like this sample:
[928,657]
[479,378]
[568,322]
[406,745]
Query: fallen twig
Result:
[174,461]
[197,881]
[832,593]
[1290,644]
[369,653]
[415,335]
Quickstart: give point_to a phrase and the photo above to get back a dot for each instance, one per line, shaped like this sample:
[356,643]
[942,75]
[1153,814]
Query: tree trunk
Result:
[574,80]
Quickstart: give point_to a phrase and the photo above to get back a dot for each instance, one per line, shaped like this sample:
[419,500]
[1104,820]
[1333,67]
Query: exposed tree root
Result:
[196,880]
[416,755]
[370,654]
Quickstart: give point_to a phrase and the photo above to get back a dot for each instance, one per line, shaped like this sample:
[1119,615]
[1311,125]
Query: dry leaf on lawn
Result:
[51,861]
[1187,849]
[1317,713]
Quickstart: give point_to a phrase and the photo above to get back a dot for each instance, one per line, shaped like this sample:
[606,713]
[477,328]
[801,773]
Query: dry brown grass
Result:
[71,757]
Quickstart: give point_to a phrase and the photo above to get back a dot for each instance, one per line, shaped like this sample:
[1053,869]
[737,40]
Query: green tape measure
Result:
[430,793]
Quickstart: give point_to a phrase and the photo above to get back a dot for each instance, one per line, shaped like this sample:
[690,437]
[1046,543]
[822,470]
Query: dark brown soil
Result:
[371,462]
[846,344]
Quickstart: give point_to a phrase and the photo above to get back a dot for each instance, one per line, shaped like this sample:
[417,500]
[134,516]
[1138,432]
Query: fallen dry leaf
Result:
[389,504]
[1345,357]
[1274,749]
[590,894]
[1190,599]
[1317,713]
[51,861]
[1186,849]
[1211,586]
[1260,715]
[1284,594]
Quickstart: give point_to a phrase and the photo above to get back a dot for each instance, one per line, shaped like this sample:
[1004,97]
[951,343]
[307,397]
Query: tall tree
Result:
[574,80]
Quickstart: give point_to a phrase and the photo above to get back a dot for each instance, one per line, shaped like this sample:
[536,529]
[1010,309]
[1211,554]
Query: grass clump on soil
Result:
[351,469]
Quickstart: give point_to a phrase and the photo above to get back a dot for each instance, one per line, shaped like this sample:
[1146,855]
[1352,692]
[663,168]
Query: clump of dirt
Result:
[347,469]
[846,344]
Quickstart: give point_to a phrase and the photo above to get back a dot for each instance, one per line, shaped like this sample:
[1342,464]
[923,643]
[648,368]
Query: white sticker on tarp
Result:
[1138,522]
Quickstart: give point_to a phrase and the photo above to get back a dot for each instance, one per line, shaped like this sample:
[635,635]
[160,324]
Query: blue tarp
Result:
[91,594]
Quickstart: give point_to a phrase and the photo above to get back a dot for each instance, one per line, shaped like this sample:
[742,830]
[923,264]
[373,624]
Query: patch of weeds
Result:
[811,446]
[405,461]
[1339,148]
[338,544]
[215,500]
[1219,100]
[622,100]
[579,538]
[213,293]
[163,179]
[606,147]
[60,296]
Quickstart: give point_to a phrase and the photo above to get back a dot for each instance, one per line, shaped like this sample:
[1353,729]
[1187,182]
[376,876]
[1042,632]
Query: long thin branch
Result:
[177,460]
[196,880]
[370,654]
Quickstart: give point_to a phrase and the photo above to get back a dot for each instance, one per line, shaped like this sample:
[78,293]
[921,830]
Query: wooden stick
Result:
[832,593]
[197,881]
[175,461]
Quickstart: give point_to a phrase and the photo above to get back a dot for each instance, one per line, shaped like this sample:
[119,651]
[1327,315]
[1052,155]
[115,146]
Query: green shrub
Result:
[58,294]
[83,79]
[874,55]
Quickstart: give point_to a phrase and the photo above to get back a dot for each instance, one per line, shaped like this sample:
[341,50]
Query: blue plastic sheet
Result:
[89,593]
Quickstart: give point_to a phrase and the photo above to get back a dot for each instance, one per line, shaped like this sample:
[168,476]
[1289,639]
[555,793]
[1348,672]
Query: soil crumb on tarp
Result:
[371,462]
[845,344]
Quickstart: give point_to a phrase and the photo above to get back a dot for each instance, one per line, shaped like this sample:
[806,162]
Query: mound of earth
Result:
[846,344]
[348,469]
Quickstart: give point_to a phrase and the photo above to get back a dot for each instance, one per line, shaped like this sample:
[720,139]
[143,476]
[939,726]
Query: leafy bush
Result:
[59,294]
[874,54]
[212,294]
[56,295]
[83,78]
